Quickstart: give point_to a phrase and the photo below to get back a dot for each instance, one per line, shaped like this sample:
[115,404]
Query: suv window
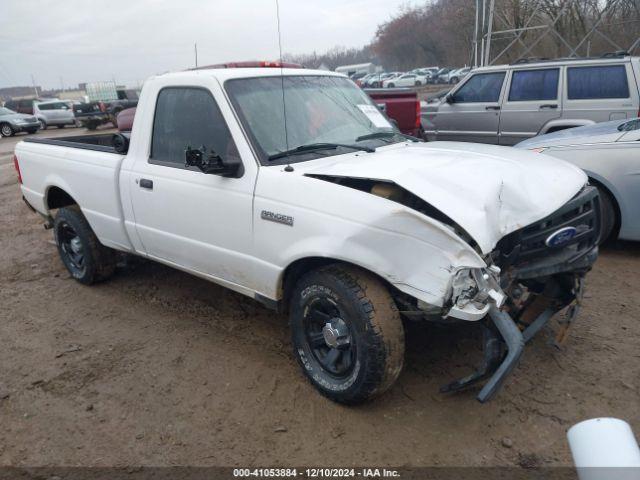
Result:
[482,87]
[608,81]
[53,106]
[188,117]
[534,85]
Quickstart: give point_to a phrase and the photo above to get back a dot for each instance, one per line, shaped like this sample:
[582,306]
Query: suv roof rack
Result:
[616,54]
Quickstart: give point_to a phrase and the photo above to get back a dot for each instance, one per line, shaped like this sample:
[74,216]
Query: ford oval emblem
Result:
[560,237]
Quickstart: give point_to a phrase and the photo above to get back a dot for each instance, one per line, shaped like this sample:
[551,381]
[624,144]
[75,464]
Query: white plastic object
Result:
[604,449]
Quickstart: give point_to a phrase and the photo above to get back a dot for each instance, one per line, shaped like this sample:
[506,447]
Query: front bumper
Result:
[540,279]
[23,127]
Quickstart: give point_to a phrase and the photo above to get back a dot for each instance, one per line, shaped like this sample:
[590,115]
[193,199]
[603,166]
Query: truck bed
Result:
[87,168]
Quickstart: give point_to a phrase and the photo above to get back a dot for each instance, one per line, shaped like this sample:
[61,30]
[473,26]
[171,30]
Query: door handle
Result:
[492,107]
[146,183]
[548,105]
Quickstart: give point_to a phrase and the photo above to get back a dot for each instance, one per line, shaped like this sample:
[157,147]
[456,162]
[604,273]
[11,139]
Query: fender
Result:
[562,123]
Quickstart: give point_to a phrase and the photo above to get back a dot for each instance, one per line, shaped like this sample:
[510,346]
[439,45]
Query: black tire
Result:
[608,216]
[91,126]
[391,85]
[454,80]
[6,130]
[43,124]
[32,130]
[363,315]
[60,126]
[87,260]
[418,83]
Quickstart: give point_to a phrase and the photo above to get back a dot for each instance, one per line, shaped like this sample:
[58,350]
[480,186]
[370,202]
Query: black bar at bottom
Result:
[515,343]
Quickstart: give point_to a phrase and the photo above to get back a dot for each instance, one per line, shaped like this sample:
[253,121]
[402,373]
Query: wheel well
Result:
[559,127]
[614,201]
[58,198]
[301,266]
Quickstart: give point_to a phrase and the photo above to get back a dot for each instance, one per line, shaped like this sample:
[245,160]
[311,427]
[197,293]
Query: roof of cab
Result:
[223,74]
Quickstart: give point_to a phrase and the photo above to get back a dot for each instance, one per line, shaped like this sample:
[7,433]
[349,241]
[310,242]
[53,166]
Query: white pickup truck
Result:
[326,212]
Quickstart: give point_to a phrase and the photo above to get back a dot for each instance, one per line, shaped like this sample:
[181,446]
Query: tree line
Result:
[441,32]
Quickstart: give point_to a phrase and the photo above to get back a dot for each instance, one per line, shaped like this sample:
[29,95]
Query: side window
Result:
[188,117]
[482,87]
[534,85]
[584,83]
[45,106]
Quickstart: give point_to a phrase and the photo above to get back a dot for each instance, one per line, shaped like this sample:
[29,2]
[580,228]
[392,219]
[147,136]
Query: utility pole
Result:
[61,85]
[195,49]
[489,32]
[33,82]
[484,16]
[475,35]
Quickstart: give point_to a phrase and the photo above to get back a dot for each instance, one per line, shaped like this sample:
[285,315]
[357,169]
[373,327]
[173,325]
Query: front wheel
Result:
[87,260]
[6,130]
[347,333]
[418,83]
[43,124]
[608,217]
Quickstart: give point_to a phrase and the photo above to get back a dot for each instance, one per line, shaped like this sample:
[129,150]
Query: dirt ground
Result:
[156,367]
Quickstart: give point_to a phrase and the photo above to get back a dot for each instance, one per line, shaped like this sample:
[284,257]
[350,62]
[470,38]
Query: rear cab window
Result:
[481,88]
[188,117]
[534,85]
[597,82]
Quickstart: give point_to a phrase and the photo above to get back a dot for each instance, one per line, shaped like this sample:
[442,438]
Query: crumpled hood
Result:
[489,191]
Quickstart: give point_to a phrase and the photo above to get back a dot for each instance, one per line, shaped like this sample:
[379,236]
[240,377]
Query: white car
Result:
[454,76]
[405,80]
[332,216]
[609,153]
[54,113]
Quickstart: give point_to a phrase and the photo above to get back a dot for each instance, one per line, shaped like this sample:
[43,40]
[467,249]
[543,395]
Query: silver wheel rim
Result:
[6,130]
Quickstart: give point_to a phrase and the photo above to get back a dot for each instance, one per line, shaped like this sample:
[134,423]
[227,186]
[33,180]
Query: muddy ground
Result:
[156,367]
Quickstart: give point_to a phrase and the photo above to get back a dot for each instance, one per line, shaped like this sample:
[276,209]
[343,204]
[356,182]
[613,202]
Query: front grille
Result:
[529,245]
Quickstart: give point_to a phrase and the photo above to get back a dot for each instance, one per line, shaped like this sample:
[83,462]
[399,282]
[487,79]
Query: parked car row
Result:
[60,113]
[54,112]
[413,78]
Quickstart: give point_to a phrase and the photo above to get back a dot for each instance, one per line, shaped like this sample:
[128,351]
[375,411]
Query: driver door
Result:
[473,112]
[200,222]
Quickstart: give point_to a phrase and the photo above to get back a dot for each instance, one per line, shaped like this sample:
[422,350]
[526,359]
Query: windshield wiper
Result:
[375,135]
[311,147]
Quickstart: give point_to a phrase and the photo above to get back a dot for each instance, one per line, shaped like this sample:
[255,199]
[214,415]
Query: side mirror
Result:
[449,98]
[211,163]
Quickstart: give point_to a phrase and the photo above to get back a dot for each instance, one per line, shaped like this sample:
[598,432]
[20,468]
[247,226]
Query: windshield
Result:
[5,111]
[319,110]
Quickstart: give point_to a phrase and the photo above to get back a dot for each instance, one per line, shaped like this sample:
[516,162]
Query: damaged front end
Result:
[533,274]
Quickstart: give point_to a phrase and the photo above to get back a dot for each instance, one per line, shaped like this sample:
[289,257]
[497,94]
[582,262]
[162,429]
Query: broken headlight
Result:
[477,286]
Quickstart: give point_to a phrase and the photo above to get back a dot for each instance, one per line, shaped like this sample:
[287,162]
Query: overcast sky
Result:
[74,41]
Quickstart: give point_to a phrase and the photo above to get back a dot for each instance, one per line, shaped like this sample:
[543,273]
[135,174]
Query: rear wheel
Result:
[6,130]
[43,124]
[418,83]
[60,126]
[347,333]
[608,216]
[87,260]
[391,85]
